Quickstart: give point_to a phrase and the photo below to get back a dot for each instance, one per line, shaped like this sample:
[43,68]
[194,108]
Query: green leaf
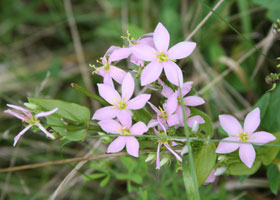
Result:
[142,115]
[263,104]
[105,181]
[205,129]
[66,110]
[129,163]
[94,176]
[136,178]
[272,6]
[190,187]
[238,168]
[204,160]
[269,153]
[273,175]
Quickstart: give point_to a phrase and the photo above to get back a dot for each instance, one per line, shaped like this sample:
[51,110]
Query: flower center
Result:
[179,100]
[106,66]
[124,130]
[32,121]
[243,136]
[162,57]
[120,104]
[163,114]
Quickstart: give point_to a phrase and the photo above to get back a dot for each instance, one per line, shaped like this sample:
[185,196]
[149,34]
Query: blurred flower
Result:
[121,105]
[162,58]
[247,153]
[211,178]
[124,128]
[27,117]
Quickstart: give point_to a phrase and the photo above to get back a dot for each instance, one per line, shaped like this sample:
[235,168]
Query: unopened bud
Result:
[185,150]
[163,161]
[221,158]
[220,170]
[150,157]
[195,126]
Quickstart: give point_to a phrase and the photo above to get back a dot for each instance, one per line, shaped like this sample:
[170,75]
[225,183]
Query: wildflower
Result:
[124,128]
[120,105]
[31,120]
[244,135]
[162,58]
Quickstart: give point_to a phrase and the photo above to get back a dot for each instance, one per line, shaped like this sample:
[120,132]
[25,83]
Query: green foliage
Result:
[269,153]
[206,129]
[273,175]
[238,168]
[272,6]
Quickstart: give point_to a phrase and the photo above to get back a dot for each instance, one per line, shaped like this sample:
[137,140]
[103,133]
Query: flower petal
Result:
[110,126]
[48,134]
[110,51]
[144,52]
[247,154]
[127,87]
[25,111]
[43,114]
[173,120]
[117,145]
[108,112]
[197,118]
[20,134]
[138,102]
[154,108]
[193,101]
[261,137]
[181,50]
[230,124]
[119,54]
[108,93]
[132,146]
[158,158]
[124,117]
[186,88]
[161,38]
[211,178]
[252,121]
[166,91]
[117,74]
[151,73]
[108,80]
[138,129]
[172,104]
[173,73]
[228,147]
[17,115]
[173,152]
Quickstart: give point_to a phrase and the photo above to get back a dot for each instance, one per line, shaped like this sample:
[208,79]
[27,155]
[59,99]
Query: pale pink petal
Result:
[181,50]
[136,60]
[191,120]
[45,131]
[20,134]
[124,117]
[186,88]
[173,73]
[252,121]
[173,152]
[152,123]
[261,137]
[158,158]
[154,108]
[193,101]
[25,111]
[138,129]
[228,147]
[108,93]
[138,102]
[43,114]
[132,146]
[117,145]
[166,91]
[230,124]
[119,54]
[247,154]
[17,115]
[147,41]
[144,52]
[179,113]
[110,126]
[108,80]
[172,120]
[172,104]
[211,178]
[151,72]
[117,74]
[108,112]
[127,87]
[161,38]
[110,51]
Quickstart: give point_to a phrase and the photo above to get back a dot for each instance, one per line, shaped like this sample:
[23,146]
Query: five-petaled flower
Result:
[162,58]
[242,137]
[125,129]
[31,120]
[121,106]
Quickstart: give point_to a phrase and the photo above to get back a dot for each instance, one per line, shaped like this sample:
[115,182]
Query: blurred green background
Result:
[38,59]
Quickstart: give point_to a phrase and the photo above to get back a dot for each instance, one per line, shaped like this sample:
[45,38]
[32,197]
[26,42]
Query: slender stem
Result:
[190,154]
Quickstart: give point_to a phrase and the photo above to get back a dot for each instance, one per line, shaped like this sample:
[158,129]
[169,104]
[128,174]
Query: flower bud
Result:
[195,126]
[150,157]
[220,170]
[221,158]
[163,161]
[185,150]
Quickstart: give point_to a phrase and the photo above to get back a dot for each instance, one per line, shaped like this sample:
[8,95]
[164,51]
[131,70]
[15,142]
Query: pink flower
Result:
[247,153]
[162,58]
[164,142]
[124,128]
[211,178]
[121,106]
[27,117]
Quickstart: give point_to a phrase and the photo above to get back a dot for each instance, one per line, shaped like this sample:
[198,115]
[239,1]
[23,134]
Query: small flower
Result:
[247,134]
[162,58]
[120,105]
[125,129]
[31,120]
